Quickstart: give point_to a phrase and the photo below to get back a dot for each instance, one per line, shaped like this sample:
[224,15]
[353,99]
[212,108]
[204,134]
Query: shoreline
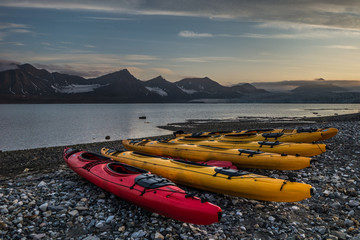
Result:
[30,162]
[40,197]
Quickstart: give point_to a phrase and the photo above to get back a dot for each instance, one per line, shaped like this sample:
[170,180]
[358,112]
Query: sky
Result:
[229,41]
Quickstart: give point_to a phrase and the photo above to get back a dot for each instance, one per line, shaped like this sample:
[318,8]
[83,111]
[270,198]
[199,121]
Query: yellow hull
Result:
[288,135]
[302,149]
[215,179]
[239,157]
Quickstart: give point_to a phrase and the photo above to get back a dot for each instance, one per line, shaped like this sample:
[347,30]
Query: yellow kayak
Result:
[305,135]
[240,157]
[302,149]
[216,179]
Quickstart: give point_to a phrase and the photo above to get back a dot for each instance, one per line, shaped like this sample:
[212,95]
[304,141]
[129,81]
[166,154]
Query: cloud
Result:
[12,43]
[163,71]
[7,65]
[7,28]
[20,31]
[346,47]
[89,46]
[4,25]
[135,57]
[111,18]
[82,63]
[78,70]
[191,34]
[205,59]
[341,14]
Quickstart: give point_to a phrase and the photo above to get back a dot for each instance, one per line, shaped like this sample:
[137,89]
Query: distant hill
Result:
[247,88]
[318,87]
[288,85]
[206,88]
[27,84]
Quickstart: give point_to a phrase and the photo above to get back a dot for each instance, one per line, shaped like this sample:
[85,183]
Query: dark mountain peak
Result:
[204,82]
[122,73]
[26,66]
[157,80]
[118,77]
[248,85]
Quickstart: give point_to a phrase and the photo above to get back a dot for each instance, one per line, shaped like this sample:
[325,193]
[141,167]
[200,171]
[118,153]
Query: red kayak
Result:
[140,187]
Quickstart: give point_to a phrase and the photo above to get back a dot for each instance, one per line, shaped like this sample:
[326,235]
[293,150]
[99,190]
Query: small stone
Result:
[138,234]
[259,206]
[91,237]
[295,208]
[335,205]
[102,195]
[326,192]
[122,228]
[47,214]
[159,236]
[56,208]
[17,220]
[81,208]
[109,219]
[100,224]
[4,211]
[38,236]
[354,203]
[43,207]
[351,213]
[340,235]
[80,219]
[331,237]
[271,218]
[74,213]
[321,230]
[43,224]
[348,223]
[42,184]
[184,236]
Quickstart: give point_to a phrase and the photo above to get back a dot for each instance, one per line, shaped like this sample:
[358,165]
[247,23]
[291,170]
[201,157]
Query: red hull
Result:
[141,188]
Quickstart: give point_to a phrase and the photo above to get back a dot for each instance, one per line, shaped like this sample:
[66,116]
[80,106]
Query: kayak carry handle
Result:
[250,152]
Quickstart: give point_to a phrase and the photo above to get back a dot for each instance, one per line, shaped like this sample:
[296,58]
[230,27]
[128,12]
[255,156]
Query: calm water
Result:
[24,126]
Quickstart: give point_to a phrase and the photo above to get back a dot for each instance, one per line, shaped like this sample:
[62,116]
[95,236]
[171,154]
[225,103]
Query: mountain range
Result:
[29,84]
[25,83]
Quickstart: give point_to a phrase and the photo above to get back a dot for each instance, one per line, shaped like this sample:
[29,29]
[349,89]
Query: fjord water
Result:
[24,126]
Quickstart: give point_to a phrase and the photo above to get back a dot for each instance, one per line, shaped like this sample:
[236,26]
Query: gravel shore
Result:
[41,198]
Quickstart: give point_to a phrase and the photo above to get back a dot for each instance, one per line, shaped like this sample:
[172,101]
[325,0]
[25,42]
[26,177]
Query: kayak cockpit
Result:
[86,156]
[120,168]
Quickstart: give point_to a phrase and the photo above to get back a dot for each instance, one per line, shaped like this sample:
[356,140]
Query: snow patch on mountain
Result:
[157,90]
[188,91]
[74,88]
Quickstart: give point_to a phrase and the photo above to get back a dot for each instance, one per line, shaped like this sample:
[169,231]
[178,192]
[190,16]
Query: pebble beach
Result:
[41,198]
